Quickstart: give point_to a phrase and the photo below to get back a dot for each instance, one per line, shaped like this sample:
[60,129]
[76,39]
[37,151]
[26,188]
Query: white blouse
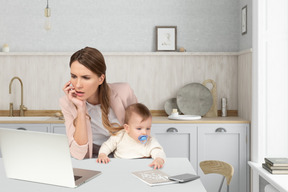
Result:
[100,133]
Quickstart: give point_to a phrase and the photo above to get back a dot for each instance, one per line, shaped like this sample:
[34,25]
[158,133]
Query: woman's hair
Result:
[139,109]
[93,60]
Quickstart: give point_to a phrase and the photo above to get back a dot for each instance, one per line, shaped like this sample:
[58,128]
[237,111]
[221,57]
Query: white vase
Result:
[5,48]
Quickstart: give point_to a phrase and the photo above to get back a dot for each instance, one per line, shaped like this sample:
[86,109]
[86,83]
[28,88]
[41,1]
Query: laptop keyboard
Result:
[77,177]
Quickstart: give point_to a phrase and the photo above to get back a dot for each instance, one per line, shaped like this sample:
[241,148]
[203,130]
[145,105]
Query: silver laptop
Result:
[40,157]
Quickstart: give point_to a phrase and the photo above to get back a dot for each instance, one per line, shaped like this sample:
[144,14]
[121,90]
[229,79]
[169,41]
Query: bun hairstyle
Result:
[93,60]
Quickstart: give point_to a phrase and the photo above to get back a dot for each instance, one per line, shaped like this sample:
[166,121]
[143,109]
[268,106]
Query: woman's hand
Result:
[103,158]
[157,163]
[69,90]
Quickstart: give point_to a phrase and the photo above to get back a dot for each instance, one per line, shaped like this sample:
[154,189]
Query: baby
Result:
[134,141]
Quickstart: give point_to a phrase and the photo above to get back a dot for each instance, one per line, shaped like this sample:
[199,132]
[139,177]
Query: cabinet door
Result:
[58,128]
[224,142]
[177,140]
[29,127]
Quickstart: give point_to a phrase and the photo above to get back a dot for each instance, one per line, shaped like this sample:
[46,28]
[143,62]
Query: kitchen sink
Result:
[24,118]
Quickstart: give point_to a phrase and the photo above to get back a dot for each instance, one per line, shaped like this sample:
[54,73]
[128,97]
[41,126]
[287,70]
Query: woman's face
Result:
[85,82]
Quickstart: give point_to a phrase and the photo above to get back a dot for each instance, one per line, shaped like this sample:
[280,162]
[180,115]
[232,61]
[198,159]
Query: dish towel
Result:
[270,188]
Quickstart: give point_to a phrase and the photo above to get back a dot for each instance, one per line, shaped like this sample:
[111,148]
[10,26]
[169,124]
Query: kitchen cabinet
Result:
[30,127]
[213,141]
[178,140]
[224,142]
[53,128]
[58,128]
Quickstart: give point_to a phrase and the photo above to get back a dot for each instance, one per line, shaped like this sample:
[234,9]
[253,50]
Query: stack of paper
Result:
[153,177]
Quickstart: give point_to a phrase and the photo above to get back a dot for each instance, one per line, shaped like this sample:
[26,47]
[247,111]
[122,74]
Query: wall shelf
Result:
[129,53]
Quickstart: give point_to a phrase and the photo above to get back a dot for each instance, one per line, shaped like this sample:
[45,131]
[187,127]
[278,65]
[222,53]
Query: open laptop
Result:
[40,157]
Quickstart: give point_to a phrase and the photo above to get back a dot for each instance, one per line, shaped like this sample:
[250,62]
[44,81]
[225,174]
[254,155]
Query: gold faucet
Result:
[22,107]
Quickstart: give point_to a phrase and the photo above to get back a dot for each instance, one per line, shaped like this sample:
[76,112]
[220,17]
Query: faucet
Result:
[22,107]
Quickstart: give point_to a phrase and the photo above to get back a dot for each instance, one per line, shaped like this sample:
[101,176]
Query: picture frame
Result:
[244,20]
[166,38]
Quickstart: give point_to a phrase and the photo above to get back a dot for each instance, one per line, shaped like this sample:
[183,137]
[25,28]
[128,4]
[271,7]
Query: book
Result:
[274,171]
[276,161]
[153,177]
[276,167]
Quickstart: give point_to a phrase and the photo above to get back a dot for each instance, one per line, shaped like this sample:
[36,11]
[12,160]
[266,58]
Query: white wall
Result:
[245,85]
[270,81]
[122,25]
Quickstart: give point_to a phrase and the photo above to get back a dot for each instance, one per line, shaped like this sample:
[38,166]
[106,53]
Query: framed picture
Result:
[166,38]
[244,20]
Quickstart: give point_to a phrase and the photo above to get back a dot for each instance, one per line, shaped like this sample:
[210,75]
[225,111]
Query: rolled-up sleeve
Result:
[79,151]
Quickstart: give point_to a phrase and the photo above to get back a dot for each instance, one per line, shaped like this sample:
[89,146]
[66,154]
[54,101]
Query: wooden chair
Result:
[219,167]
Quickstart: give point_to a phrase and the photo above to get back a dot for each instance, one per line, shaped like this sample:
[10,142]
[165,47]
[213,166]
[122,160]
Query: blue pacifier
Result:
[143,138]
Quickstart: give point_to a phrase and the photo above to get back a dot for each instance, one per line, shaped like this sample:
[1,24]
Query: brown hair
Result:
[93,60]
[139,109]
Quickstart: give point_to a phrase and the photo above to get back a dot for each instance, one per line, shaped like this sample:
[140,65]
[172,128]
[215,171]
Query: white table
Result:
[280,182]
[116,176]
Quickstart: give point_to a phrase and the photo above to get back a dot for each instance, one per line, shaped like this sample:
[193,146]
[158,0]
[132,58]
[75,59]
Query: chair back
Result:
[218,167]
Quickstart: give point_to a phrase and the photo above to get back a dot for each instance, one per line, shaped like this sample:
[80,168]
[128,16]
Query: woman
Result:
[93,109]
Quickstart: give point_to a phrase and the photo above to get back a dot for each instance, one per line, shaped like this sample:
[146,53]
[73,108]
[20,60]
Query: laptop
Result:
[40,157]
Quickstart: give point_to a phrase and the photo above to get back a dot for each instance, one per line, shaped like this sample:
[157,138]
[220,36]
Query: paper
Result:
[153,177]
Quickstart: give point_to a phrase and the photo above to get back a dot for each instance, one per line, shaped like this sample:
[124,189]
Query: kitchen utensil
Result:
[171,104]
[194,99]
[213,110]
[174,112]
[5,48]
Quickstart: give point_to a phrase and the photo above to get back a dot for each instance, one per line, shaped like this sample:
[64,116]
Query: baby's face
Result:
[137,126]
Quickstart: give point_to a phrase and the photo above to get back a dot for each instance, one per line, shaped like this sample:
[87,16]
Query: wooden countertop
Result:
[51,120]
[203,120]
[155,120]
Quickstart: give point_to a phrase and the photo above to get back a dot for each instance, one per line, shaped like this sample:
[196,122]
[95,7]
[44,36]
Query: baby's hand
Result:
[103,158]
[157,163]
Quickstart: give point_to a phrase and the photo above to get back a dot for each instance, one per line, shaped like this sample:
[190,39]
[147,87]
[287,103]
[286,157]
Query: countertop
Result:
[203,120]
[278,181]
[155,120]
[51,120]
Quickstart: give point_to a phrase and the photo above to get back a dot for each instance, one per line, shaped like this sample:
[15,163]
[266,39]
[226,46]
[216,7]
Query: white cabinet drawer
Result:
[29,127]
[58,128]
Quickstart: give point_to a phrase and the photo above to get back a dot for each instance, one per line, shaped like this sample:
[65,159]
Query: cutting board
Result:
[213,110]
[194,99]
[171,104]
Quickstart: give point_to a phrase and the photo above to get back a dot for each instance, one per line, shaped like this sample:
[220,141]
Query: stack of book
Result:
[276,165]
